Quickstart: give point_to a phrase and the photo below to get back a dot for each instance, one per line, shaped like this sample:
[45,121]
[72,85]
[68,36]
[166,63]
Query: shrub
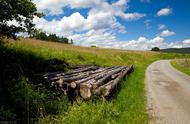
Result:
[155,49]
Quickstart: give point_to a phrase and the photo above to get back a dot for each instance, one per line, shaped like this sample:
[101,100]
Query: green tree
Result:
[53,37]
[41,36]
[64,40]
[155,49]
[21,11]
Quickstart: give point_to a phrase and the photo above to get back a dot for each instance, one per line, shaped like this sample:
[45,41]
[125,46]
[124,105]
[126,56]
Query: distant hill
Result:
[176,50]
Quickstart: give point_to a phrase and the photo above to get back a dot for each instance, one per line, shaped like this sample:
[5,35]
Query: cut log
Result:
[82,70]
[99,90]
[86,81]
[69,78]
[104,73]
[109,88]
[86,90]
[86,87]
[57,84]
[104,79]
[68,75]
[71,74]
[95,74]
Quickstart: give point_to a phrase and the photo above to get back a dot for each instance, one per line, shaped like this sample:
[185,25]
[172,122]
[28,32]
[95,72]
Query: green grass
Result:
[182,65]
[127,106]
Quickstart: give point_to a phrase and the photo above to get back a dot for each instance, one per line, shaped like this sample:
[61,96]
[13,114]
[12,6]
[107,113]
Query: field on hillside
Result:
[25,57]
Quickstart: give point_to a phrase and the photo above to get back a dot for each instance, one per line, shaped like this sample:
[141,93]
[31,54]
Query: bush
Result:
[155,49]
[93,46]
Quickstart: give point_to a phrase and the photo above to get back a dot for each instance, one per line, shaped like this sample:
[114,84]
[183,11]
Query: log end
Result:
[106,90]
[85,90]
[73,85]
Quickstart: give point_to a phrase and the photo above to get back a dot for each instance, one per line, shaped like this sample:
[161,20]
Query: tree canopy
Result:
[40,35]
[21,12]
[155,49]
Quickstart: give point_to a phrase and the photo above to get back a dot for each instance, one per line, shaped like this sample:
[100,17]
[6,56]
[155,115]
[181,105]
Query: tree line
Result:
[40,35]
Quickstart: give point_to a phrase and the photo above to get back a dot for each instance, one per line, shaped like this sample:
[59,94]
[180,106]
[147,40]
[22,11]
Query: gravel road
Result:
[168,94]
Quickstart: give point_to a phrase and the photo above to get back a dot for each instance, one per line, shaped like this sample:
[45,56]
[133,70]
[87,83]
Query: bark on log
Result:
[69,78]
[108,75]
[89,70]
[82,70]
[87,87]
[87,80]
[109,88]
[95,74]
[99,90]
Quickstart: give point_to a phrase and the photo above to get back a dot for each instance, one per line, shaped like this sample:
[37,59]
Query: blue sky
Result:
[126,24]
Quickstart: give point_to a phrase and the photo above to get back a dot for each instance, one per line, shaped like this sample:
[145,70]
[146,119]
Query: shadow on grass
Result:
[19,100]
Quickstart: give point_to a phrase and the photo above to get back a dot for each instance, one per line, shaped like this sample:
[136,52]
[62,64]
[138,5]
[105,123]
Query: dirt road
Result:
[168,94]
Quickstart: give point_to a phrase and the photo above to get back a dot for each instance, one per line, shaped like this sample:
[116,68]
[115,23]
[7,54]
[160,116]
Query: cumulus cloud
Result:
[64,27]
[100,38]
[179,44]
[131,16]
[105,39]
[56,7]
[76,23]
[167,33]
[101,15]
[100,26]
[186,43]
[164,12]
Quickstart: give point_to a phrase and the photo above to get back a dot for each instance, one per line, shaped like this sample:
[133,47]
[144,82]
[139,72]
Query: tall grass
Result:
[182,65]
[128,105]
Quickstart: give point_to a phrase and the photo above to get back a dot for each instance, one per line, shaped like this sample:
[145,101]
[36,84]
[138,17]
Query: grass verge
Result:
[182,65]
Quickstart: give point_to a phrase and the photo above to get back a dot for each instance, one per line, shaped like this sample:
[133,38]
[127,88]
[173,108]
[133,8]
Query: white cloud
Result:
[167,33]
[55,7]
[100,38]
[99,27]
[180,44]
[63,27]
[161,26]
[164,12]
[101,15]
[103,39]
[77,23]
[186,43]
[131,16]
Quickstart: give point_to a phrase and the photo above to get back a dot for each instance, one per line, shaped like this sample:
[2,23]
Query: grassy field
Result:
[28,56]
[182,65]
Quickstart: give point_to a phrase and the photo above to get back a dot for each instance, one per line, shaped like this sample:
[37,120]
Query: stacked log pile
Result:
[85,81]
